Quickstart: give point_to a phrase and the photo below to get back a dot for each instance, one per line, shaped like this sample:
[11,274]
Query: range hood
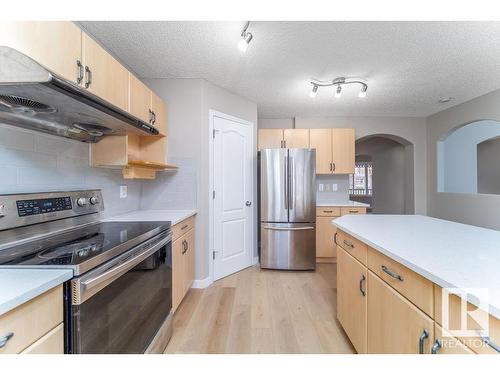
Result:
[33,97]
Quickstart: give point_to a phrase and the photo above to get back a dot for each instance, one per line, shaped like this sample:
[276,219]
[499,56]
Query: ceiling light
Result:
[339,82]
[338,91]
[246,38]
[362,92]
[314,91]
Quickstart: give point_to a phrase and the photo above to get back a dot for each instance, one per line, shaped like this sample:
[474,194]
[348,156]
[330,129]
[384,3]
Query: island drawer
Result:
[476,343]
[32,320]
[416,288]
[328,211]
[183,227]
[353,246]
[352,211]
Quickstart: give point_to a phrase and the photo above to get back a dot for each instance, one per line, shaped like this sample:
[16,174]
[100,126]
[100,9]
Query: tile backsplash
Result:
[342,193]
[36,162]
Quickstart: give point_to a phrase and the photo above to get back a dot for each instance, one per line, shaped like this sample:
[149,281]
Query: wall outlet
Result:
[123,191]
[335,187]
[327,187]
[321,187]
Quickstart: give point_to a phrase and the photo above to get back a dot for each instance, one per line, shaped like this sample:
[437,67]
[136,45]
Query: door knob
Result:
[248,203]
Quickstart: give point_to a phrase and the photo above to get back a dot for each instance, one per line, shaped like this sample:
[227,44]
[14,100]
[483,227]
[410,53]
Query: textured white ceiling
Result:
[408,65]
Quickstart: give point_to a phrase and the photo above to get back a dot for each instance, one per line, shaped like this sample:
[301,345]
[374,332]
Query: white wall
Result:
[474,209]
[189,102]
[457,156]
[412,129]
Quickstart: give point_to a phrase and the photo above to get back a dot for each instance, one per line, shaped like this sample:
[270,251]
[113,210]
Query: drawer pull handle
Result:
[350,244]
[488,341]
[327,211]
[435,348]
[184,227]
[361,282]
[421,339]
[5,338]
[391,273]
[353,211]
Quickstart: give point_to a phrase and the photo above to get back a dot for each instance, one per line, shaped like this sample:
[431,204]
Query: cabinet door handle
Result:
[437,345]
[361,282]
[88,73]
[391,273]
[349,244]
[488,341]
[421,339]
[154,118]
[79,77]
[150,116]
[185,247]
[5,338]
[335,239]
[333,167]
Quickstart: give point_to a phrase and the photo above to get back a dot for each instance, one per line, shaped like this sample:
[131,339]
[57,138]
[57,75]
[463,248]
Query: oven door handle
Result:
[114,272]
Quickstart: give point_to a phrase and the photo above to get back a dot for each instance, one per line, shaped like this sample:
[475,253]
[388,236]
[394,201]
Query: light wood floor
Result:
[262,311]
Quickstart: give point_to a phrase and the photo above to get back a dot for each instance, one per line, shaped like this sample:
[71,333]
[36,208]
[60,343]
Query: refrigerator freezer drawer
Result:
[288,246]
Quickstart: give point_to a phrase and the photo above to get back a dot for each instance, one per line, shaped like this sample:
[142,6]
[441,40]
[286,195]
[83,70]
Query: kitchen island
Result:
[393,268]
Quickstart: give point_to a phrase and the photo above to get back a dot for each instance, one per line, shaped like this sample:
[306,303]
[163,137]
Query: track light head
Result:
[314,91]
[362,92]
[246,38]
[338,91]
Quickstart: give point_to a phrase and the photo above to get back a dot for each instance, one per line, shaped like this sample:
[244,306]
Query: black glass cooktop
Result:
[92,244]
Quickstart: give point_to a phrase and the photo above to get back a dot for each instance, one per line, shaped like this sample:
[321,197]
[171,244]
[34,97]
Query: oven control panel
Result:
[32,208]
[42,206]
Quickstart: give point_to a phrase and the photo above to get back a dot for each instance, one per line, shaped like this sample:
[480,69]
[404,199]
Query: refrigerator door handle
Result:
[291,181]
[285,185]
[288,229]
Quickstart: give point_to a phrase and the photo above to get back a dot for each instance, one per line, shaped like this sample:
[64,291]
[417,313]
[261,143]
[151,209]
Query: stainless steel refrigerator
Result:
[288,208]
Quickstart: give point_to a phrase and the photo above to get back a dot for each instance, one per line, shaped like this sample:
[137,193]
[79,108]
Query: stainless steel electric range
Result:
[120,298]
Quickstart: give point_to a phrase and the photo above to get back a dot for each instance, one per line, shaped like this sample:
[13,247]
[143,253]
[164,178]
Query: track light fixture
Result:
[339,82]
[314,91]
[246,38]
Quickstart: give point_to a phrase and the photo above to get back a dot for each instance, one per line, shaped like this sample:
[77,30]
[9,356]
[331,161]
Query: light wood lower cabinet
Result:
[183,260]
[51,343]
[325,239]
[352,293]
[32,322]
[445,343]
[395,325]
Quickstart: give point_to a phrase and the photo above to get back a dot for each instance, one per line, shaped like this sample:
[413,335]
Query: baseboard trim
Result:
[202,284]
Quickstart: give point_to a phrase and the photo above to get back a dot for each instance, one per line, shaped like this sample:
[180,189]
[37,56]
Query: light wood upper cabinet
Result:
[104,76]
[296,138]
[139,99]
[321,140]
[159,109]
[352,295]
[334,150]
[57,45]
[395,326]
[270,138]
[343,144]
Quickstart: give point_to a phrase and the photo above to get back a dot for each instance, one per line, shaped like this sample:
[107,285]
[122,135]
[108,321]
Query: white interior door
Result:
[233,203]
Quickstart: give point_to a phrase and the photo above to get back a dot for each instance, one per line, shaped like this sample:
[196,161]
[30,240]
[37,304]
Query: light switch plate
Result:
[123,191]
[327,187]
[335,187]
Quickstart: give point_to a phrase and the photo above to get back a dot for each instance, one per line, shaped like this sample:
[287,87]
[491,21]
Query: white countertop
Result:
[18,286]
[341,204]
[174,216]
[450,254]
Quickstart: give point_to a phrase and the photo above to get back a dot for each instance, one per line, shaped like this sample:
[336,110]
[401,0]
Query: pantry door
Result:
[233,195]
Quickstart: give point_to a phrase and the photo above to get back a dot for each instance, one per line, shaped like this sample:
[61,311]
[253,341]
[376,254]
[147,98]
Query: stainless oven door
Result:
[120,306]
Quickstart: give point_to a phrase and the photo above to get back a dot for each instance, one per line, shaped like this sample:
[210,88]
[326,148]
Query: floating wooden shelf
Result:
[151,165]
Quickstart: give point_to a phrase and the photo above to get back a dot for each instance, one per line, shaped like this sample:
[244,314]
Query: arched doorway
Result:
[385,164]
